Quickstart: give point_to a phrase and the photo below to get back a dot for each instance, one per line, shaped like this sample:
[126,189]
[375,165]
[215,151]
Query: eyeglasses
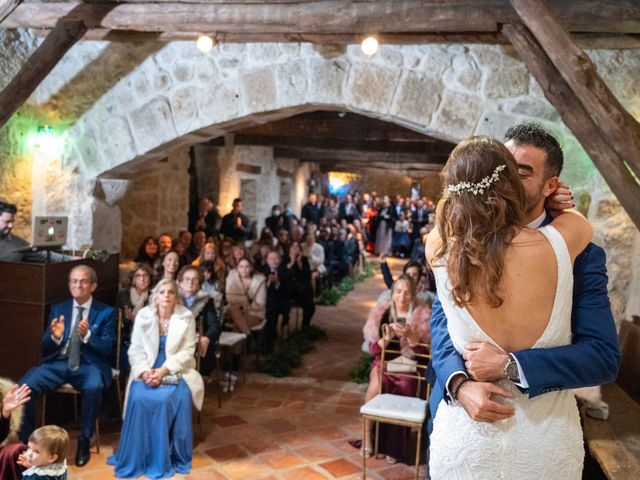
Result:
[141,275]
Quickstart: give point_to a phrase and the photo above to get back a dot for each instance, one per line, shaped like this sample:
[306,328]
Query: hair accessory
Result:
[475,188]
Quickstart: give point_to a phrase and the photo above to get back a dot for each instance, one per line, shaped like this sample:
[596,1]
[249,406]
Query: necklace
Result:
[164,325]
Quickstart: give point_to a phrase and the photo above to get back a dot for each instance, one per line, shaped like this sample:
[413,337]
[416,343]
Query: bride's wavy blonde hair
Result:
[476,228]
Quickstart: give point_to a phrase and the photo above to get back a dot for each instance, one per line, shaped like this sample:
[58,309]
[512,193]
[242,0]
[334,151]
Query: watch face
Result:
[512,371]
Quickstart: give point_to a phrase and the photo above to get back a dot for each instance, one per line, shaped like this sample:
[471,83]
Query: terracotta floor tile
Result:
[317,452]
[205,474]
[278,426]
[200,460]
[329,433]
[304,473]
[226,453]
[340,468]
[246,469]
[282,460]
[228,421]
[400,472]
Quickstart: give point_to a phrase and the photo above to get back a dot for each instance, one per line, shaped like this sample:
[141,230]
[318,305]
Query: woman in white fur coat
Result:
[157,439]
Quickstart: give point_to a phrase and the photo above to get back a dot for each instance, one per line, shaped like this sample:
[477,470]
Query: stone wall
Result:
[157,201]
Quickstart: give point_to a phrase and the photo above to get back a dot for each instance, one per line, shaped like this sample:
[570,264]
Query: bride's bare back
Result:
[527,286]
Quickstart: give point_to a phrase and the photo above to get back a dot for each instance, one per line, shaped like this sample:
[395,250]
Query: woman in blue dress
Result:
[156,439]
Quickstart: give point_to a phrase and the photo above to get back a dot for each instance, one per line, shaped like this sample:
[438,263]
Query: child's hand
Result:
[22,461]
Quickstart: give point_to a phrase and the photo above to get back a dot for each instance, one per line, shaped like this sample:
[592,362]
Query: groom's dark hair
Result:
[533,134]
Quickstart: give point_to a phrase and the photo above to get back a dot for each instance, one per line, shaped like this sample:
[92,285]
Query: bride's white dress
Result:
[543,440]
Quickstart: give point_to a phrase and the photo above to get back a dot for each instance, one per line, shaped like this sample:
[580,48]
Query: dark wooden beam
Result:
[325,17]
[617,125]
[577,118]
[326,154]
[248,168]
[342,144]
[38,66]
[6,7]
[394,170]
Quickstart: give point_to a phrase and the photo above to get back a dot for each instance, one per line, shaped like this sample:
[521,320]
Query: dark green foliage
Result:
[288,352]
[360,374]
[334,294]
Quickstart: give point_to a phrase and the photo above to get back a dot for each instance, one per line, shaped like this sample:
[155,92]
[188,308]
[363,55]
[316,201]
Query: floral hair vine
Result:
[475,188]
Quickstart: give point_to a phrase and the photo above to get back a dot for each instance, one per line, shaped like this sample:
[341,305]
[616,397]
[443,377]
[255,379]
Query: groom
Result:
[592,358]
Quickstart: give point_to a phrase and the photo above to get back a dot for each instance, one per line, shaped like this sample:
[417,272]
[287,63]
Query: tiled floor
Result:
[292,428]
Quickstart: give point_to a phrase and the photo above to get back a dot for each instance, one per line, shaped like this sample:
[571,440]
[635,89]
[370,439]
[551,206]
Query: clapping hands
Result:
[57,327]
[15,397]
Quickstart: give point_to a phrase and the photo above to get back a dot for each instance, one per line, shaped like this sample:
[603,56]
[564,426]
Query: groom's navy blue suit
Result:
[91,377]
[592,358]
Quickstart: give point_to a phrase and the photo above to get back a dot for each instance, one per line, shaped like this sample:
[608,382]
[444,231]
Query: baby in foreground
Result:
[46,458]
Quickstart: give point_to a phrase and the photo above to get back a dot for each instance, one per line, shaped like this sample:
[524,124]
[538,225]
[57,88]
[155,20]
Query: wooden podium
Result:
[27,291]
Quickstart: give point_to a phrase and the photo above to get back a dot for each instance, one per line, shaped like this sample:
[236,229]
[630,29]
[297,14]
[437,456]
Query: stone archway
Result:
[178,97]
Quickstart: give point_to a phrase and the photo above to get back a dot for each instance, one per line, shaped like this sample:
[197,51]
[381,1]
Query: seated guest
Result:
[165,244]
[203,308]
[77,348]
[235,224]
[16,249]
[334,256]
[420,273]
[197,244]
[147,252]
[315,253]
[247,296]
[129,301]
[401,240]
[279,285]
[282,246]
[301,292]
[238,252]
[46,458]
[170,266]
[351,251]
[11,398]
[156,438]
[225,251]
[261,247]
[277,220]
[210,260]
[404,319]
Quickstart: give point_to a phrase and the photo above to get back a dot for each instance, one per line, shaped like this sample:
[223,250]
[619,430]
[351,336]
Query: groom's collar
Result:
[544,218]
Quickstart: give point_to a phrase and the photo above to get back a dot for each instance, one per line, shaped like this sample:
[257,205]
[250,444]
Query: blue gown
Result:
[156,439]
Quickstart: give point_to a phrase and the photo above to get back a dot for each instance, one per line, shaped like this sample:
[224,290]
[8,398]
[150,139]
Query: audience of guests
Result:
[406,320]
[77,348]
[156,438]
[170,266]
[246,296]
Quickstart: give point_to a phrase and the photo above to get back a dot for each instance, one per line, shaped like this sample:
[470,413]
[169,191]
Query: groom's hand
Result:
[484,362]
[475,397]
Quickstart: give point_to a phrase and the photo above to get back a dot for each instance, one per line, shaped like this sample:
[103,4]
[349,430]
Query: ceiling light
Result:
[204,43]
[369,46]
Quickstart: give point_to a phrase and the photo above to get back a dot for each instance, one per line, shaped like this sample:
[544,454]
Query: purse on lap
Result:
[402,364]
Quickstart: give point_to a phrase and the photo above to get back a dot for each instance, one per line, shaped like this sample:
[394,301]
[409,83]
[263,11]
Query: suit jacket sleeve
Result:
[213,324]
[386,274]
[593,357]
[444,357]
[48,345]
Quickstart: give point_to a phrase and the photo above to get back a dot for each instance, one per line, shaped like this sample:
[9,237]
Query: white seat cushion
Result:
[396,407]
[229,339]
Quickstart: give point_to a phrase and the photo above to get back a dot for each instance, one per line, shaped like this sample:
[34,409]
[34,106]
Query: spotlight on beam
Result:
[369,46]
[205,43]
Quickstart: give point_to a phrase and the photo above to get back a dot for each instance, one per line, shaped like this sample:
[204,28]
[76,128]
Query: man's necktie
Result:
[74,342]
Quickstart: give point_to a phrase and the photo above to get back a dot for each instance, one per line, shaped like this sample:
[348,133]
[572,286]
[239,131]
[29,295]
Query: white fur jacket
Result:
[180,349]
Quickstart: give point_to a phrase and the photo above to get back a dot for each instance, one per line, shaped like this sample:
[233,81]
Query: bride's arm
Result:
[575,229]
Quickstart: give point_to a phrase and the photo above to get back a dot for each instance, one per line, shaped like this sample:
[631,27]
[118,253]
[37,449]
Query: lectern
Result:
[27,291]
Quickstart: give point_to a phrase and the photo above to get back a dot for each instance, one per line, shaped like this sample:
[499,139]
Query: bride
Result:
[509,285]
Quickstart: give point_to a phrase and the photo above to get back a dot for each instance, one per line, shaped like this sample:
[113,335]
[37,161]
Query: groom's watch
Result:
[511,369]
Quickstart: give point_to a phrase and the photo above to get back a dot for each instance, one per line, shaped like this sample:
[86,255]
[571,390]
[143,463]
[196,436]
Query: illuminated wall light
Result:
[339,180]
[369,46]
[205,43]
[46,144]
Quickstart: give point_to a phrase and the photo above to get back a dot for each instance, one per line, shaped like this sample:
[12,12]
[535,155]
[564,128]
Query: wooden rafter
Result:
[324,17]
[576,116]
[617,125]
[6,7]
[38,66]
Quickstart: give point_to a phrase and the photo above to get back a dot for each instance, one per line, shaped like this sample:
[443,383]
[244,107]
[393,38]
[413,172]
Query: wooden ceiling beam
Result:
[617,125]
[583,40]
[38,66]
[327,17]
[6,7]
[380,170]
[342,144]
[323,155]
[576,116]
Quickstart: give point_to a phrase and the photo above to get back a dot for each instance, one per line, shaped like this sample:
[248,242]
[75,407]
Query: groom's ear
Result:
[550,185]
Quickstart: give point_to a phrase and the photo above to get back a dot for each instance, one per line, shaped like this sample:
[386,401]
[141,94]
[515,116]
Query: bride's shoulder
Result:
[433,244]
